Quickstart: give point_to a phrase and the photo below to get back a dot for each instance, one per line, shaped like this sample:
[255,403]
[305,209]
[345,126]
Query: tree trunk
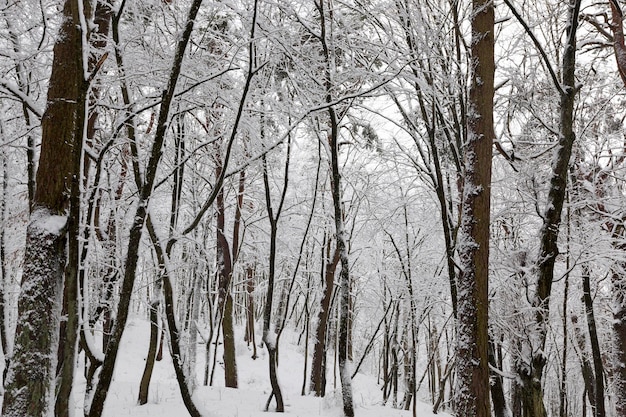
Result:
[497,390]
[132,255]
[270,337]
[6,350]
[225,300]
[319,350]
[144,385]
[598,390]
[30,385]
[535,361]
[618,281]
[472,396]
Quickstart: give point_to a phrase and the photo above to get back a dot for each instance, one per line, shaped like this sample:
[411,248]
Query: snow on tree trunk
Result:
[30,385]
[472,392]
[30,379]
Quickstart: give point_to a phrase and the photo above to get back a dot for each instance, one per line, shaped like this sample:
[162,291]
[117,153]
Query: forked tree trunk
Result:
[31,376]
[531,371]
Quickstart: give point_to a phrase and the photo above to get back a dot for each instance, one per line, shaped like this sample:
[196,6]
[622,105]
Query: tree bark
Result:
[31,376]
[472,395]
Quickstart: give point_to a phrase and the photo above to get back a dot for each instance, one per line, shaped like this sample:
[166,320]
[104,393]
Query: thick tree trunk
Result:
[472,395]
[30,381]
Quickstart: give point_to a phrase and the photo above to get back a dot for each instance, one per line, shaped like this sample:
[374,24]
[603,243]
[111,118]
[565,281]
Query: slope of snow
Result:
[247,401]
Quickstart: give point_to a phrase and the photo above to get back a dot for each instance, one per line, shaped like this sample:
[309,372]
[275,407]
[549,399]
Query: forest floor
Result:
[217,401]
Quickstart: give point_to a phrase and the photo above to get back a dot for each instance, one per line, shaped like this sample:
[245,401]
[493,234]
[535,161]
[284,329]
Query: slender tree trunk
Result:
[250,284]
[144,385]
[4,279]
[618,270]
[31,376]
[132,255]
[599,409]
[319,350]
[225,300]
[497,390]
[472,396]
[270,337]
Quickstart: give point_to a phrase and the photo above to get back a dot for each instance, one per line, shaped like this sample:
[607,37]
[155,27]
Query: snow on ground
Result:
[247,401]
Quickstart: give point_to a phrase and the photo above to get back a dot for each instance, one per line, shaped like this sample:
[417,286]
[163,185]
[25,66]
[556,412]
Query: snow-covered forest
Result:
[320,207]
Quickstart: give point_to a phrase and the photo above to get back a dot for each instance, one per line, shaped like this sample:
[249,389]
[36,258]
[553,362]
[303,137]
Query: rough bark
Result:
[472,392]
[30,381]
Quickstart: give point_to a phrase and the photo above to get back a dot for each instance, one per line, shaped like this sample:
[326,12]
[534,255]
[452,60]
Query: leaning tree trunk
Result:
[132,256]
[31,376]
[472,395]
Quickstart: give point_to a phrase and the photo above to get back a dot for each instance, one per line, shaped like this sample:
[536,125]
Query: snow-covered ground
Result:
[247,401]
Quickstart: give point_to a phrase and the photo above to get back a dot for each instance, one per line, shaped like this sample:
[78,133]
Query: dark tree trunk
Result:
[618,270]
[144,385]
[598,368]
[497,389]
[30,385]
[4,279]
[250,333]
[472,396]
[132,256]
[618,281]
[270,337]
[531,372]
[225,300]
[318,369]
